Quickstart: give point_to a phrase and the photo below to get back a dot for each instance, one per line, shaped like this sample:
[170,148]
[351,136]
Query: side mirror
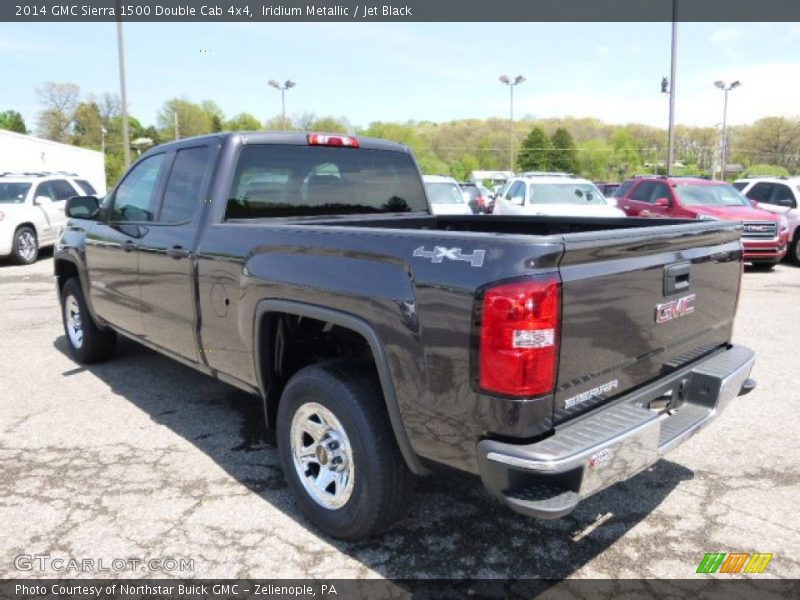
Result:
[518,200]
[39,200]
[82,207]
[661,202]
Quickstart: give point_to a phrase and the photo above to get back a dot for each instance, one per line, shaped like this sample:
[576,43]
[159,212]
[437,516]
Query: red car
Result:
[765,234]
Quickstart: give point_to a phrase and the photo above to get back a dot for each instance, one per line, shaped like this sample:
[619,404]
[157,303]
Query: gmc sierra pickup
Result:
[551,357]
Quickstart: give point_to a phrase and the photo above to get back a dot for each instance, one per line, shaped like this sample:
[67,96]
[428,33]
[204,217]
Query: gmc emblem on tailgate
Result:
[675,308]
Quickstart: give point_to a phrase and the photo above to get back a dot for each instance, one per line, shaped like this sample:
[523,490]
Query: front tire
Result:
[87,342]
[25,247]
[338,450]
[794,249]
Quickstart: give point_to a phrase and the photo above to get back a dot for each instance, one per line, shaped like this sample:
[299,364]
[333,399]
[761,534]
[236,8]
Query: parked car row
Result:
[765,235]
[32,210]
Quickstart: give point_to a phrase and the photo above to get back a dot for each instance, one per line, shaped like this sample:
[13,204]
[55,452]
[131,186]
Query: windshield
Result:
[273,180]
[566,193]
[710,195]
[13,193]
[444,193]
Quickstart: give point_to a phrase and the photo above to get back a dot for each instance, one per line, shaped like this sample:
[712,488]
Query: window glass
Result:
[760,192]
[182,194]
[274,180]
[566,193]
[61,190]
[623,189]
[517,192]
[88,188]
[782,192]
[444,193]
[13,193]
[134,198]
[710,195]
[643,191]
[660,190]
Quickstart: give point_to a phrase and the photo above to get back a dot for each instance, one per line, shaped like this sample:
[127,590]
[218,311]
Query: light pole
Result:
[123,96]
[507,80]
[103,133]
[671,132]
[724,151]
[287,85]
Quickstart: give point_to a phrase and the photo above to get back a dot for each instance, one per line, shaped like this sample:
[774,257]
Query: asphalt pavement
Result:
[144,458]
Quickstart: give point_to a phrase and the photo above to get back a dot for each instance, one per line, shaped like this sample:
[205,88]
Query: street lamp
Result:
[287,85]
[723,153]
[507,80]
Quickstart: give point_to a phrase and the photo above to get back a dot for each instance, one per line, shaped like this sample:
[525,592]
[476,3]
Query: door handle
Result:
[128,246]
[178,252]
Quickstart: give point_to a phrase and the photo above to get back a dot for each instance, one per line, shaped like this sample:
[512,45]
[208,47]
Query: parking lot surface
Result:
[143,457]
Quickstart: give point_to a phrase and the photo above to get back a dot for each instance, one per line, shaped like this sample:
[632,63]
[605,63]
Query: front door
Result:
[112,244]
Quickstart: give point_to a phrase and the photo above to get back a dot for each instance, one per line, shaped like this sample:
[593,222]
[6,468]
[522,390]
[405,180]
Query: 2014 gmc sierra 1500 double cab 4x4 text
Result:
[550,356]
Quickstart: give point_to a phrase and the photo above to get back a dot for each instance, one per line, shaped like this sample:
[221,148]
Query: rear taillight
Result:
[519,333]
[481,201]
[322,139]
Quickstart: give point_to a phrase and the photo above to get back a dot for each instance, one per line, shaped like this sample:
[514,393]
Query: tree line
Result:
[586,146]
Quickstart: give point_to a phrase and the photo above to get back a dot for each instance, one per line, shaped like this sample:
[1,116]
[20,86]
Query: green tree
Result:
[535,152]
[59,101]
[11,120]
[193,118]
[565,153]
[242,122]
[278,123]
[87,126]
[329,124]
[593,159]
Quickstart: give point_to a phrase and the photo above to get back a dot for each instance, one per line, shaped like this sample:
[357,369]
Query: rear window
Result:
[444,193]
[13,193]
[565,193]
[283,181]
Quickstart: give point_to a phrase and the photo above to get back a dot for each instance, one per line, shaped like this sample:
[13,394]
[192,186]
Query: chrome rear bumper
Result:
[547,479]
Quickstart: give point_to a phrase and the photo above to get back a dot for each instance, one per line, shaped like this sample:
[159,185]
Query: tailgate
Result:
[640,303]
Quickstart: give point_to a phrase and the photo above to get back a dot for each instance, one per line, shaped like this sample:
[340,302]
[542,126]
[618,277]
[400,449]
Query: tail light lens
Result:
[342,141]
[519,334]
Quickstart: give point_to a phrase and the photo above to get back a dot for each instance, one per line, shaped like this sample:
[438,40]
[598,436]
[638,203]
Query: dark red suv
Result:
[765,234]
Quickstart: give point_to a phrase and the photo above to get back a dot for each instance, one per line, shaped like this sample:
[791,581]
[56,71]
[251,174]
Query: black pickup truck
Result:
[551,357]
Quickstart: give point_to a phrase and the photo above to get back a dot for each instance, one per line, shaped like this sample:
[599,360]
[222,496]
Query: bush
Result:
[766,171]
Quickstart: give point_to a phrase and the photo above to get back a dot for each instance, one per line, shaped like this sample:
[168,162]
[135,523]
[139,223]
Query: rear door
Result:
[638,200]
[638,304]
[166,255]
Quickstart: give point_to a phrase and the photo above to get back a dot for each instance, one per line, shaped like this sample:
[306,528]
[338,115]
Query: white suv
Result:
[32,211]
[779,195]
[553,194]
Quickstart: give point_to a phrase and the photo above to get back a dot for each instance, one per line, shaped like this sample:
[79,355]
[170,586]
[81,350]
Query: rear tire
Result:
[338,450]
[25,247]
[87,342]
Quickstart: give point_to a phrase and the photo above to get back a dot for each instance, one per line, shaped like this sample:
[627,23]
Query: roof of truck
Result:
[295,138]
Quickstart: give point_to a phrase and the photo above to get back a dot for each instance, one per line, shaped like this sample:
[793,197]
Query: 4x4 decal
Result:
[439,253]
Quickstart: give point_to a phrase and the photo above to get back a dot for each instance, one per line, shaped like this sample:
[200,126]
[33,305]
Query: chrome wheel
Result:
[26,245]
[72,317]
[322,455]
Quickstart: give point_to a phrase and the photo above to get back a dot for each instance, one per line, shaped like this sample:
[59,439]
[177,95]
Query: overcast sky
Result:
[421,71]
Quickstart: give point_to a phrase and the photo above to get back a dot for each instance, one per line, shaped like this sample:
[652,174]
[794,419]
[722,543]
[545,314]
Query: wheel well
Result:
[64,270]
[289,342]
[31,225]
